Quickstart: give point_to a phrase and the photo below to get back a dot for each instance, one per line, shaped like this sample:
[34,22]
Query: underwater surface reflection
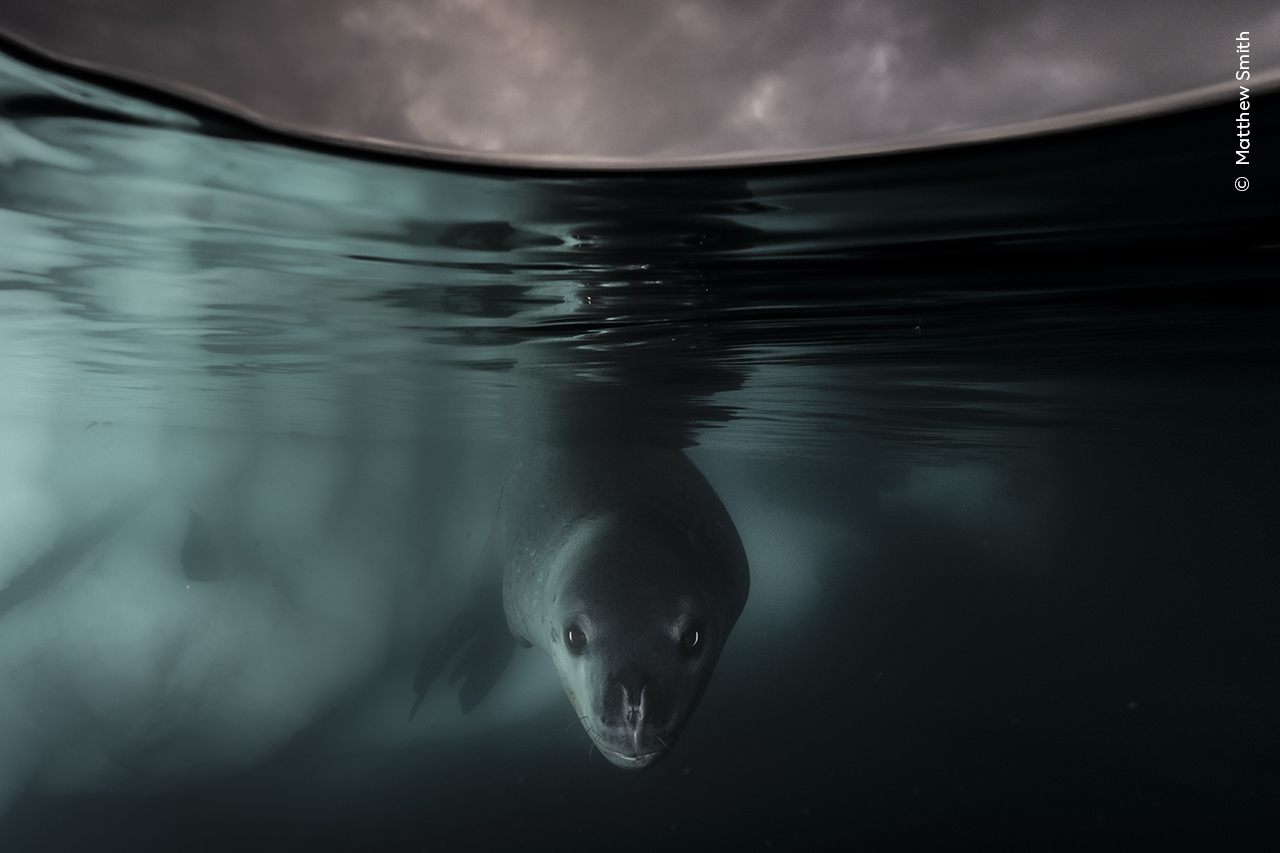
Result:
[995,425]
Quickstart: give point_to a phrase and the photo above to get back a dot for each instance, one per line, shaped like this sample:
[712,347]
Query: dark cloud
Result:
[668,78]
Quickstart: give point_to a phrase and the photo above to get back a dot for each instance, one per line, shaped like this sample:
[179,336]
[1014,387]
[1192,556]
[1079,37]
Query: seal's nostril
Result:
[633,686]
[631,692]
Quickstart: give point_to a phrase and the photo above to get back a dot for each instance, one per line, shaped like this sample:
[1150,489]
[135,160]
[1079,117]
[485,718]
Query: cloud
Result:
[663,78]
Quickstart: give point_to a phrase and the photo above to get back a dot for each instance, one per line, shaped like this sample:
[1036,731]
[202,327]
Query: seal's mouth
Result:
[627,753]
[625,760]
[629,762]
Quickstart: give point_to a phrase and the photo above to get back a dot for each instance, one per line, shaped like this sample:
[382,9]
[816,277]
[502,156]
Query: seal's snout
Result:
[633,707]
[630,706]
[633,699]
[632,732]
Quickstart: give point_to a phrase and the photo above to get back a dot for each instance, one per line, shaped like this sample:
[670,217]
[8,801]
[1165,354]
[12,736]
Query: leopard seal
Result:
[619,562]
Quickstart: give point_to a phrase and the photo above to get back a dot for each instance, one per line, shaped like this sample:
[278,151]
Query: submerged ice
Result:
[246,586]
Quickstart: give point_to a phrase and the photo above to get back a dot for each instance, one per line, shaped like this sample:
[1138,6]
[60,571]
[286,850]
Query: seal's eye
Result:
[575,639]
[691,641]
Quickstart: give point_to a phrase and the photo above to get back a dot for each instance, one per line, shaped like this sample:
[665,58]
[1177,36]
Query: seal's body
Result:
[621,563]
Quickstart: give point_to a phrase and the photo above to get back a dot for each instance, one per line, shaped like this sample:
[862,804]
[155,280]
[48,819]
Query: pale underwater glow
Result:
[333,559]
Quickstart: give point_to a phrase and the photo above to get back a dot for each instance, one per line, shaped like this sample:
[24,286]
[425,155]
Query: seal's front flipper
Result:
[484,663]
[482,623]
[480,667]
[462,628]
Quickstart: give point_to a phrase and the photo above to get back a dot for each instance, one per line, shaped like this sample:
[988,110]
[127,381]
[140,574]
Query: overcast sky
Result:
[659,78]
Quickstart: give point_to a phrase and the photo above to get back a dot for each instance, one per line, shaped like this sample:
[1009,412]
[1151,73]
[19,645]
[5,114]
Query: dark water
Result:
[996,423]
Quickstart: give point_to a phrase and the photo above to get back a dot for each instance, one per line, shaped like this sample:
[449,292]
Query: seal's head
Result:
[636,631]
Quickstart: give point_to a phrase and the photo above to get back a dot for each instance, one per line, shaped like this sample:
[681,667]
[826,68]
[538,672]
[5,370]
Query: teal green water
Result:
[157,274]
